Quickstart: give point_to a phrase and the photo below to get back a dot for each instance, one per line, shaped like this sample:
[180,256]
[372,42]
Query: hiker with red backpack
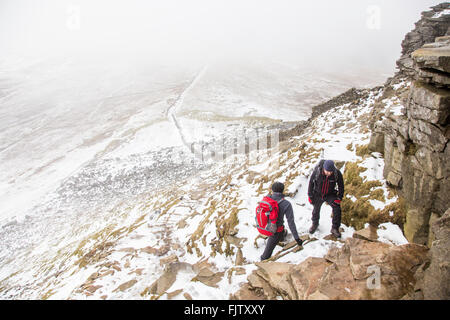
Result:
[322,188]
[270,214]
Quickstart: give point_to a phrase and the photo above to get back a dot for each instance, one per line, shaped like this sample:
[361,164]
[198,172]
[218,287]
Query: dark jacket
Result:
[285,210]
[321,186]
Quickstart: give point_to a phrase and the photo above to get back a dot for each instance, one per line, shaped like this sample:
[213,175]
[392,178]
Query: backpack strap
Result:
[265,202]
[318,169]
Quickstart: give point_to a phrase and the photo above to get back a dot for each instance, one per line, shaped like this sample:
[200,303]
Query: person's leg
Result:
[336,206]
[316,212]
[271,244]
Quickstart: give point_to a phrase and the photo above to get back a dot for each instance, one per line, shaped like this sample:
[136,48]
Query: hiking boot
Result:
[335,232]
[313,228]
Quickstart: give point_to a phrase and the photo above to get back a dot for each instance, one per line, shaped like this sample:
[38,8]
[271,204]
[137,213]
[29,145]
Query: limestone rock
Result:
[171,295]
[126,285]
[260,284]
[208,277]
[429,103]
[169,276]
[437,58]
[246,292]
[376,143]
[432,163]
[427,134]
[239,258]
[393,163]
[369,234]
[187,296]
[170,259]
[431,237]
[416,145]
[436,281]
[276,274]
[425,31]
[441,200]
[307,275]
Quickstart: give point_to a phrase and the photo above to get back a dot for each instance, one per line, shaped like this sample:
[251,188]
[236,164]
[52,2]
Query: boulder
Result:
[306,277]
[369,234]
[167,279]
[262,286]
[277,275]
[209,277]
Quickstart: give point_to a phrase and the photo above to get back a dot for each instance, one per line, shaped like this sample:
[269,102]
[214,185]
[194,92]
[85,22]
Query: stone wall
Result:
[415,141]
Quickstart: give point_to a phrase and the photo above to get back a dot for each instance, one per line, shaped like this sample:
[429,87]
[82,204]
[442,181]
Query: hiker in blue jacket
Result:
[322,188]
[285,209]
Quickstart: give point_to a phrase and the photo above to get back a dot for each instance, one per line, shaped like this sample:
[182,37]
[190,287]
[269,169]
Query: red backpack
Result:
[267,216]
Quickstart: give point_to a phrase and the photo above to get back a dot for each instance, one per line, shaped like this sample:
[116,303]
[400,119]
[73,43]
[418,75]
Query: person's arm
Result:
[290,220]
[311,186]
[340,182]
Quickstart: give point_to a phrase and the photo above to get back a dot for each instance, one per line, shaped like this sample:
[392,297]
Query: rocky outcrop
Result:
[360,270]
[414,136]
[433,277]
[434,23]
[436,282]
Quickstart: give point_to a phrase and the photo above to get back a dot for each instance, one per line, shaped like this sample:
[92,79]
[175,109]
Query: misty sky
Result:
[315,33]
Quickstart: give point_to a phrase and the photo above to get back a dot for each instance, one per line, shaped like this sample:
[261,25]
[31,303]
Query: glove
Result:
[309,199]
[299,242]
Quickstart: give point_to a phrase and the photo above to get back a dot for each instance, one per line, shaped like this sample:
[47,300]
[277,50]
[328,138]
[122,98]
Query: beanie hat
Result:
[278,187]
[328,165]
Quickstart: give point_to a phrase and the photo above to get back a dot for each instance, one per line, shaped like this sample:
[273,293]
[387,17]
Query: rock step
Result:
[359,270]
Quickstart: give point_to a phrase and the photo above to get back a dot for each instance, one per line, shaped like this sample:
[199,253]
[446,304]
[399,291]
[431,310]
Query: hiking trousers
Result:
[318,201]
[272,242]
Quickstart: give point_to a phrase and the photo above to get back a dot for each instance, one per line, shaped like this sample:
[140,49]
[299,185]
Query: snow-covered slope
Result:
[194,237]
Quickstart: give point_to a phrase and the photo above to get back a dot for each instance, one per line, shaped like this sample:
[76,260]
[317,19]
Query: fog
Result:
[324,34]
